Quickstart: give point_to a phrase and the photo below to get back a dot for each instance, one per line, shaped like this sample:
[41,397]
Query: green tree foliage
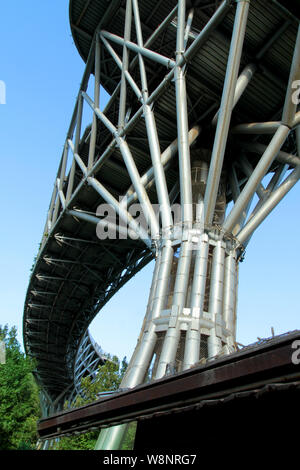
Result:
[19,400]
[108,378]
[129,437]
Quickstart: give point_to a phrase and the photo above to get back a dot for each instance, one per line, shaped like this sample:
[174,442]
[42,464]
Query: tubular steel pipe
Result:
[282,157]
[140,42]
[127,76]
[230,290]
[199,41]
[273,39]
[77,158]
[112,438]
[200,271]
[137,369]
[172,337]
[83,86]
[167,155]
[257,128]
[126,216]
[230,83]
[276,178]
[182,123]
[124,68]
[290,105]
[215,306]
[63,166]
[188,26]
[183,149]
[263,127]
[101,439]
[272,201]
[50,217]
[139,187]
[77,139]
[147,318]
[275,181]
[153,287]
[105,224]
[241,85]
[256,177]
[62,199]
[296,121]
[159,175]
[193,336]
[148,43]
[205,33]
[131,168]
[235,190]
[192,344]
[241,222]
[234,183]
[159,58]
[61,181]
[247,169]
[93,136]
[186,57]
[297,130]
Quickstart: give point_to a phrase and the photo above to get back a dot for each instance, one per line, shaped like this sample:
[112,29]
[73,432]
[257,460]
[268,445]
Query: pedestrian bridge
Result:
[110,157]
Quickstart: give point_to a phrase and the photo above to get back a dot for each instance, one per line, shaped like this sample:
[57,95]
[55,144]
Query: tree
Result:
[19,396]
[108,378]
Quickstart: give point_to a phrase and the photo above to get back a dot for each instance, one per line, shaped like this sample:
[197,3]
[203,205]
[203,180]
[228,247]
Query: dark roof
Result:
[254,372]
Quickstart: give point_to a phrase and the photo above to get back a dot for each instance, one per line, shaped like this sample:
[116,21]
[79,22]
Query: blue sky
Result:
[42,71]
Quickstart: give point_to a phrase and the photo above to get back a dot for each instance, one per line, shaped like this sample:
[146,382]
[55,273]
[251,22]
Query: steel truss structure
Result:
[203,113]
[88,359]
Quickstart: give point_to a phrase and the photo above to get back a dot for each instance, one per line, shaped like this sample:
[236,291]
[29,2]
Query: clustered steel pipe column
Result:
[199,281]
[142,358]
[111,439]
